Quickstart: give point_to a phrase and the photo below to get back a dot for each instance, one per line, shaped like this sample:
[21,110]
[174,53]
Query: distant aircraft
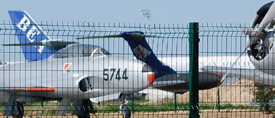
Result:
[259,48]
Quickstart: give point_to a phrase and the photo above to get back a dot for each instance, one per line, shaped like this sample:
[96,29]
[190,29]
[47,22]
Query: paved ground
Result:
[181,114]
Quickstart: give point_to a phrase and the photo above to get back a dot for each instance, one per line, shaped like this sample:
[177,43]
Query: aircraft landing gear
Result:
[124,111]
[14,108]
[82,108]
[20,110]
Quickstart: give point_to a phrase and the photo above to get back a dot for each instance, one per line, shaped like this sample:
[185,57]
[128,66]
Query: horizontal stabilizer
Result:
[53,46]
[51,43]
[25,44]
[137,35]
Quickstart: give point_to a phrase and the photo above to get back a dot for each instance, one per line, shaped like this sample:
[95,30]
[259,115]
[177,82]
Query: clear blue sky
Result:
[127,11]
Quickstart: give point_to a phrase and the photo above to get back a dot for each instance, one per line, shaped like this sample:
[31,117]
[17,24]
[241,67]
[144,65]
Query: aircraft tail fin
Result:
[143,52]
[28,31]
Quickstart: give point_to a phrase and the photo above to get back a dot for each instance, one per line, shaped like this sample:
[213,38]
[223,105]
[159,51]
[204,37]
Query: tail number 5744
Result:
[108,74]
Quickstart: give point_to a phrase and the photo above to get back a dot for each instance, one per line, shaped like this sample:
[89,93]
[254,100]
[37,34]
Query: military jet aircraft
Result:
[73,73]
[68,72]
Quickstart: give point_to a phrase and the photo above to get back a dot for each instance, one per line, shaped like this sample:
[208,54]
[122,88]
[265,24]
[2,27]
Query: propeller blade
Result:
[225,75]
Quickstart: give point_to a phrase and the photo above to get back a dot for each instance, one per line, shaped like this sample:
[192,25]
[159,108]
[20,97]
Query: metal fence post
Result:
[133,106]
[193,69]
[175,106]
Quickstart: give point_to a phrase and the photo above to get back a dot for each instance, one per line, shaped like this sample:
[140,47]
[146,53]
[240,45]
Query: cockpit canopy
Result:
[81,50]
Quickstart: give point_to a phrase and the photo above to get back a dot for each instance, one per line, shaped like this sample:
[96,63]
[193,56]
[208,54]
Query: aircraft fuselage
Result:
[67,76]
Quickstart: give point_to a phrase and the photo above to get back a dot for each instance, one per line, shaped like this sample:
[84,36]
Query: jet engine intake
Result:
[85,84]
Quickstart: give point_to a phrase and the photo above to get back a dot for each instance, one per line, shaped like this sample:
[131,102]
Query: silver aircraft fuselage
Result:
[75,78]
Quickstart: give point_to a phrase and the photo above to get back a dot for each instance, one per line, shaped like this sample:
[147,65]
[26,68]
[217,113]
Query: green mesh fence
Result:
[41,86]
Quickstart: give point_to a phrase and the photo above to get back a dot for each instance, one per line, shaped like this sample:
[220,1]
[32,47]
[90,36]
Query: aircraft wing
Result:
[243,73]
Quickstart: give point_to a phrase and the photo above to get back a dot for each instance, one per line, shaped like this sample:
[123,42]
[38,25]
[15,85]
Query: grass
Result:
[50,108]
[169,107]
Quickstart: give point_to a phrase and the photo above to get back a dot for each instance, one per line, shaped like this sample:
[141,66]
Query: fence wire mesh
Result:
[62,83]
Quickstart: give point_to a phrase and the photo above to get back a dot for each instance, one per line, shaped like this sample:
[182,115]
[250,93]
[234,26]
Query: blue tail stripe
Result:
[28,31]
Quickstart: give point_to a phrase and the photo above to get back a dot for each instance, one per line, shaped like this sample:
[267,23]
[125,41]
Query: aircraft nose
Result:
[151,78]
